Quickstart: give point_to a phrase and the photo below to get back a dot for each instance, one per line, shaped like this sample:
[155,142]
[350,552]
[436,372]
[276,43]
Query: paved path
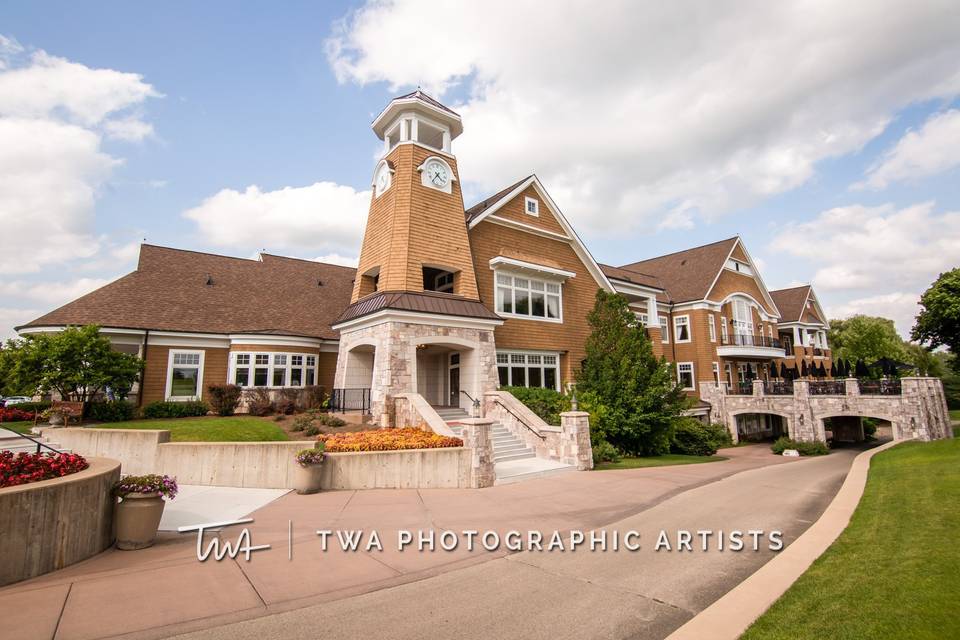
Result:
[163,590]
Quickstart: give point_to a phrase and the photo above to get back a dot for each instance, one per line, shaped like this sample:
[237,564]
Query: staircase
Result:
[10,441]
[506,446]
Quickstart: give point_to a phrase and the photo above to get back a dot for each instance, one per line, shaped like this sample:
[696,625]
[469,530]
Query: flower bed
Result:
[23,468]
[12,414]
[387,440]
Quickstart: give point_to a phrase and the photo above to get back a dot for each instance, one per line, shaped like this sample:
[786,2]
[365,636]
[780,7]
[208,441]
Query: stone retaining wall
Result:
[447,468]
[49,525]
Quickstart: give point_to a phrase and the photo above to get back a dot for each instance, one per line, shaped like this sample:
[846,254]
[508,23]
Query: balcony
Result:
[748,346]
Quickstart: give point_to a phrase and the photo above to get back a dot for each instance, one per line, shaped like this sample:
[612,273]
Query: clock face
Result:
[437,174]
[383,179]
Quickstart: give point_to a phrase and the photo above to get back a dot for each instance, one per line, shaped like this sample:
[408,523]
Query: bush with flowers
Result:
[150,483]
[23,468]
[12,414]
[387,440]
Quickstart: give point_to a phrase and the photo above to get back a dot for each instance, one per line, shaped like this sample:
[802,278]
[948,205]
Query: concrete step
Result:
[528,469]
[514,447]
[516,455]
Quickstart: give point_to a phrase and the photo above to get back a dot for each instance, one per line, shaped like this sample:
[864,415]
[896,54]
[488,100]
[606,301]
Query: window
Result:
[685,375]
[518,296]
[770,331]
[528,369]
[274,369]
[185,375]
[723,329]
[728,373]
[712,326]
[742,317]
[444,283]
[716,372]
[643,318]
[739,267]
[664,330]
[531,206]
[681,328]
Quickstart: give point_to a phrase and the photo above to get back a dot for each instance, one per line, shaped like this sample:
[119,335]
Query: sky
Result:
[827,135]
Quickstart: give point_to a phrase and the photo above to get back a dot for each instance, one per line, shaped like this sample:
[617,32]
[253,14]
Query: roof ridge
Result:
[499,195]
[196,251]
[673,253]
[326,264]
[799,286]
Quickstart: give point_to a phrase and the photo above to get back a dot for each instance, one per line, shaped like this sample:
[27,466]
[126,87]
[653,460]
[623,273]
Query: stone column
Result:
[802,421]
[476,437]
[575,446]
[851,386]
[758,390]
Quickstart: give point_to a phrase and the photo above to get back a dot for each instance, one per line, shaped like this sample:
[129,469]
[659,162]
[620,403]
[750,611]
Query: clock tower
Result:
[415,326]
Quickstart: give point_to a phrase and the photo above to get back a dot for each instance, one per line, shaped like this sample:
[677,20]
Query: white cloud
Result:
[336,258]
[933,149]
[865,251]
[324,216]
[54,114]
[53,294]
[14,317]
[641,110]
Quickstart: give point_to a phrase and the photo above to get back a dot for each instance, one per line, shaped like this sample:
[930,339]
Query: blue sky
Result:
[828,139]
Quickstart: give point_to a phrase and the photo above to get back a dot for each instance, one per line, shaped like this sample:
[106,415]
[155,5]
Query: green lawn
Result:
[23,426]
[657,461]
[893,572]
[230,429]
[955,414]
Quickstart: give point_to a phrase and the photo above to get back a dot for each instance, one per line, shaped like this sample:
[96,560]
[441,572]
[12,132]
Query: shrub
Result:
[719,435]
[286,402]
[150,483]
[300,423]
[31,407]
[224,398]
[388,440]
[603,451]
[259,402]
[329,420]
[312,397]
[14,414]
[167,409]
[312,430]
[869,428]
[815,448]
[546,403]
[23,468]
[111,411]
[693,438]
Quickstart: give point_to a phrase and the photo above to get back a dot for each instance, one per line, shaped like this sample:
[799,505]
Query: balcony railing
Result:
[745,340]
[827,388]
[741,389]
[880,387]
[778,387]
[344,400]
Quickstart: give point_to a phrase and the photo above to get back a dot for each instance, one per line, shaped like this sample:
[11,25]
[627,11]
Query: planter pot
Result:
[306,479]
[138,517]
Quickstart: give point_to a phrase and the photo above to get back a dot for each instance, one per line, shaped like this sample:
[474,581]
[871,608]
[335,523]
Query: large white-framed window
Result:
[529,369]
[685,376]
[274,370]
[184,374]
[681,328]
[716,372]
[642,317]
[712,326]
[531,206]
[529,298]
[742,317]
[723,329]
[728,373]
[664,330]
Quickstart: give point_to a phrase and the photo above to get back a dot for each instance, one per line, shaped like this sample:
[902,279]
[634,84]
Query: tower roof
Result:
[420,102]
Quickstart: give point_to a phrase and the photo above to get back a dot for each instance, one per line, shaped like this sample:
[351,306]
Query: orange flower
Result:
[388,440]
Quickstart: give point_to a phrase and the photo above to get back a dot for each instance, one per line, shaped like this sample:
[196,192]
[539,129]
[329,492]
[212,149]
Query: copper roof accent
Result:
[483,205]
[433,302]
[791,302]
[687,275]
[169,291]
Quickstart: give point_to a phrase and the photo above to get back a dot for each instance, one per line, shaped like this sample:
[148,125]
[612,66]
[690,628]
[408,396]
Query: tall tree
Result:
[938,323]
[631,394]
[865,337]
[77,363]
[924,359]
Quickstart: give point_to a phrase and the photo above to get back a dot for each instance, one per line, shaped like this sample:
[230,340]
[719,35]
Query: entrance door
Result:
[454,380]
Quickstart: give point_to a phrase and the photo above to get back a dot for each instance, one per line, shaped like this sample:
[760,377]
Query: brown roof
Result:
[429,100]
[483,205]
[790,302]
[169,291]
[421,302]
[688,274]
[635,277]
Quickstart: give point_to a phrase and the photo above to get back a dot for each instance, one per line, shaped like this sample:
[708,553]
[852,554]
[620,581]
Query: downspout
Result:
[143,351]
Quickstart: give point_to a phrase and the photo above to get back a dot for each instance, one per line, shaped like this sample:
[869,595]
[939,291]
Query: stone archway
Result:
[897,431]
[733,421]
[446,370]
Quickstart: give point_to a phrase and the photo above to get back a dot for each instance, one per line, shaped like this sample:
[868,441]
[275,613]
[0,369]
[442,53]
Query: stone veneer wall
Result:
[919,412]
[395,360]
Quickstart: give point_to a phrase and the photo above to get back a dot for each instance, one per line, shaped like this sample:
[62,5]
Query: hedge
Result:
[161,409]
[111,411]
[815,448]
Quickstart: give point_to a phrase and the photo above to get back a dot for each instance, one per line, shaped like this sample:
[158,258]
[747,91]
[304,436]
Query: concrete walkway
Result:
[162,591]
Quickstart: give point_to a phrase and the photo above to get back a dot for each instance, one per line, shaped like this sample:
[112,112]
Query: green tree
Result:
[938,323]
[866,337]
[924,359]
[77,363]
[630,393]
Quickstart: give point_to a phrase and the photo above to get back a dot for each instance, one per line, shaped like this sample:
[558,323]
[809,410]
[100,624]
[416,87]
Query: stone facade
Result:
[575,446]
[476,438]
[391,349]
[918,412]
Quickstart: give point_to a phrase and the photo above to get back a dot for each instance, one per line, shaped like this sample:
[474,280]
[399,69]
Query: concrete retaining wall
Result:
[49,525]
[136,448]
[408,469]
[231,464]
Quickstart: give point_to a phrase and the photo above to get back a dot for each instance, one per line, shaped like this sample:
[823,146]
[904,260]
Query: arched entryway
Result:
[446,371]
[753,426]
[850,428]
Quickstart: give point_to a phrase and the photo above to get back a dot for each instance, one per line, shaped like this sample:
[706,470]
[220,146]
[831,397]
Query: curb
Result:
[729,617]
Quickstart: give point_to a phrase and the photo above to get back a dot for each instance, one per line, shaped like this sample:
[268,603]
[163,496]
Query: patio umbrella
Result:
[861,369]
[804,371]
[784,373]
[833,370]
[822,371]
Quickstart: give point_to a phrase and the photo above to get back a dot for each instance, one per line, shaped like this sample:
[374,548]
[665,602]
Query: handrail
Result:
[39,443]
[472,399]
[511,411]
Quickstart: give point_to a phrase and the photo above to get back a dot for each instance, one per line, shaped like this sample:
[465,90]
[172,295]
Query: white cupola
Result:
[419,119]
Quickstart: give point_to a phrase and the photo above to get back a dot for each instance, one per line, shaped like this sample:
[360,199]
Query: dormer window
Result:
[739,267]
[531,206]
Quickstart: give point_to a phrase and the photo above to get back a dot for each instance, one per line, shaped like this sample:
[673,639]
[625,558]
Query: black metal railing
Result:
[880,387]
[40,443]
[745,340]
[778,387]
[741,389]
[344,400]
[827,388]
[521,420]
